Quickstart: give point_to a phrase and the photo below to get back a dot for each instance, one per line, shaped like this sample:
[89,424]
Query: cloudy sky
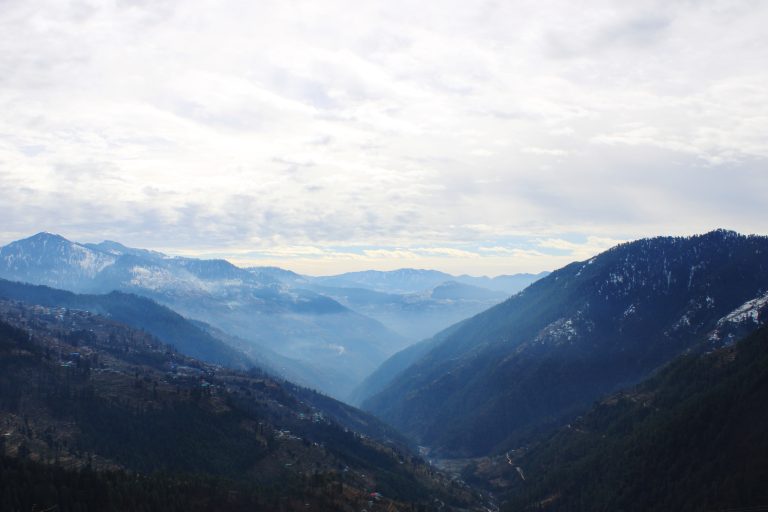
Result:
[322,136]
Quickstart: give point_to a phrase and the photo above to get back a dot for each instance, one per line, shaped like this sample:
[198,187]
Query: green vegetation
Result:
[137,312]
[692,438]
[96,415]
[28,485]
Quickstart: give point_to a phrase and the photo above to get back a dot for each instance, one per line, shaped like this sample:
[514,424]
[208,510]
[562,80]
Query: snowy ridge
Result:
[91,262]
[160,279]
[53,252]
[750,310]
[332,347]
[740,321]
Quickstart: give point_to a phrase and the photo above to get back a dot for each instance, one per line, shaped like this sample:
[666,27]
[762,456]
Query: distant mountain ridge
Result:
[410,280]
[419,303]
[52,260]
[338,335]
[583,331]
[341,345]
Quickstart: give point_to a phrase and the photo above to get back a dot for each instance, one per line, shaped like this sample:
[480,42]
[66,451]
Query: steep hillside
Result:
[80,391]
[392,367]
[583,331]
[341,347]
[138,312]
[691,438]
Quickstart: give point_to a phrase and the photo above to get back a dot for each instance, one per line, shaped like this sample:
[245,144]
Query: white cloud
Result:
[392,126]
[580,251]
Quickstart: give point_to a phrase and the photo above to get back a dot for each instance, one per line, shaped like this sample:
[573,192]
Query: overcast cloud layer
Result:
[322,136]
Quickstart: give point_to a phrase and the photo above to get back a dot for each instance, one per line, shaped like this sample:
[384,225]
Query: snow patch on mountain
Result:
[565,330]
[749,311]
[47,252]
[91,262]
[159,279]
[741,320]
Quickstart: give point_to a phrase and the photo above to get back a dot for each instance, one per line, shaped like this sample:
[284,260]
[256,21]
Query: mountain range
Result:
[313,330]
[630,381]
[489,383]
[419,303]
[408,280]
[341,345]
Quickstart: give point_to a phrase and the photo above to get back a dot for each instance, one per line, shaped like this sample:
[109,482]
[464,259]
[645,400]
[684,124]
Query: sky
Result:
[325,136]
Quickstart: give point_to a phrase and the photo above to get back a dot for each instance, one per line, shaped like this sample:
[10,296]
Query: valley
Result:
[383,256]
[507,408]
[584,331]
[326,338]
